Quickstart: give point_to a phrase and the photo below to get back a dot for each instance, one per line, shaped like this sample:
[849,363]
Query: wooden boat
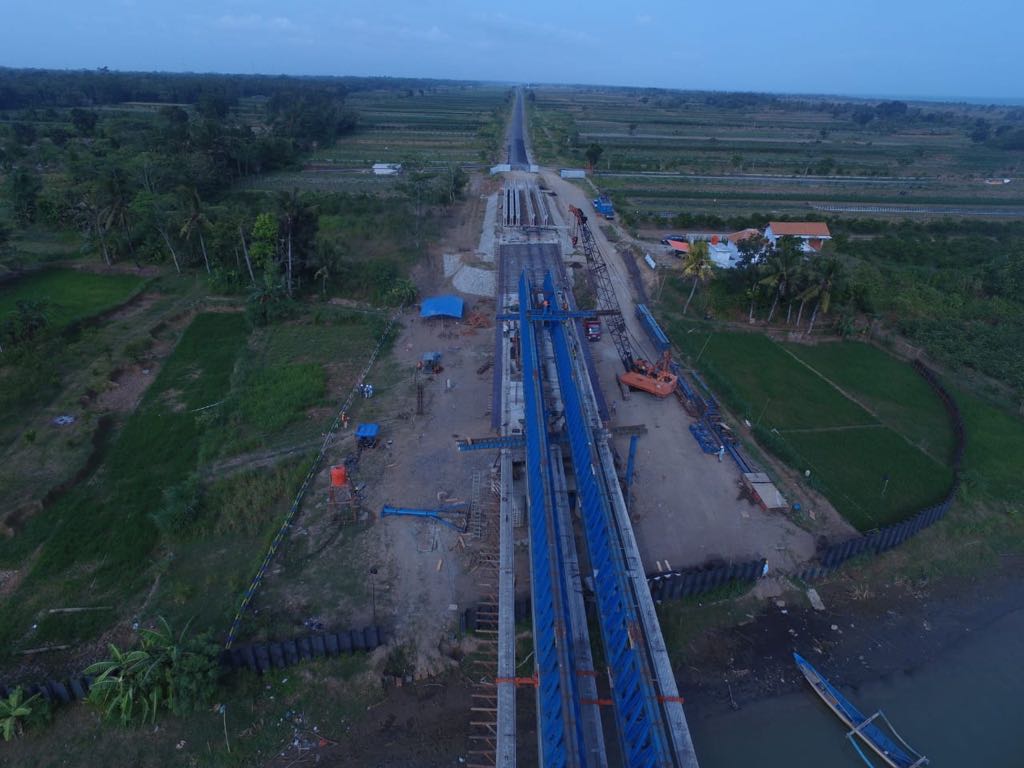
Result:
[867,729]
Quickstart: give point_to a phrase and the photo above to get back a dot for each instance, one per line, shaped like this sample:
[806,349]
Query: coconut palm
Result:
[830,274]
[697,266]
[298,223]
[781,270]
[194,224]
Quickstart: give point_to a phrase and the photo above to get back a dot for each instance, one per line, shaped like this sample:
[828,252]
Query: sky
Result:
[899,48]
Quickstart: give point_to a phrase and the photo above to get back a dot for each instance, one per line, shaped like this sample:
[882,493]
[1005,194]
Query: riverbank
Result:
[864,634]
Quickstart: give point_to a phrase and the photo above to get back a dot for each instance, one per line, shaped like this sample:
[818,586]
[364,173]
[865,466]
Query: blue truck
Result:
[603,205]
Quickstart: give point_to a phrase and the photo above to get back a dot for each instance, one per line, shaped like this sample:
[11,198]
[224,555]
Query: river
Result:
[963,709]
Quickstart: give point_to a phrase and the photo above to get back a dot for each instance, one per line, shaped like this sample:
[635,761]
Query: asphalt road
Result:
[517,156]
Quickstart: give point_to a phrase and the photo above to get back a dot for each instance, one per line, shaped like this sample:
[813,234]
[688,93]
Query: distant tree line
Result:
[156,182]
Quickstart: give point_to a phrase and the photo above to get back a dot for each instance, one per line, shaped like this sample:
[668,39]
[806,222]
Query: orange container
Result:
[339,476]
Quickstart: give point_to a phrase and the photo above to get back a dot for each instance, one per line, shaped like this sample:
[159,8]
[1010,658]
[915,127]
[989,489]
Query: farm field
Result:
[849,450]
[666,153]
[82,294]
[185,499]
[434,128]
[892,390]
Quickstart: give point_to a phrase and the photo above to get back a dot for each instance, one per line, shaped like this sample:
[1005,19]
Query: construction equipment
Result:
[603,205]
[592,329]
[656,379]
[453,515]
[431,362]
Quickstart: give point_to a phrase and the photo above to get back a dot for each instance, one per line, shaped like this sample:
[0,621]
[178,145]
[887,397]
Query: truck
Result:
[592,329]
[603,205]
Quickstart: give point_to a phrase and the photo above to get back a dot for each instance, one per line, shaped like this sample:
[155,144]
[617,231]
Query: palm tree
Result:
[194,224]
[829,276]
[753,281]
[116,211]
[299,222]
[290,207]
[698,267]
[781,268]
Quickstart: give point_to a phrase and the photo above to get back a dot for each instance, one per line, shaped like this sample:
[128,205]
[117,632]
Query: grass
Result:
[767,384]
[259,722]
[854,464]
[813,426]
[209,566]
[889,387]
[93,545]
[71,295]
[995,450]
[288,369]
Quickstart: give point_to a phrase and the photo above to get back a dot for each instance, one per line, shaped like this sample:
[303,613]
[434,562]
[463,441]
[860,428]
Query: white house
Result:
[812,234]
[387,169]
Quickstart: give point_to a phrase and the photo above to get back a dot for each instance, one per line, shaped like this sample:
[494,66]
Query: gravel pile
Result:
[475,281]
[486,248]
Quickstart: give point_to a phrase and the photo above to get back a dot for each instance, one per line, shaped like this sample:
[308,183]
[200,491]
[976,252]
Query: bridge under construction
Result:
[558,478]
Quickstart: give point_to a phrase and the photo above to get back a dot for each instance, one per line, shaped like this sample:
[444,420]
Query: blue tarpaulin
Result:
[369,431]
[442,306]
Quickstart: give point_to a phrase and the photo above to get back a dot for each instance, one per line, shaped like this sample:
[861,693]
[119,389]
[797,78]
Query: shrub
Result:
[180,675]
[17,713]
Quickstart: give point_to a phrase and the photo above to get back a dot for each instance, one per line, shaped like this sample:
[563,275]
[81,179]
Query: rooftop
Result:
[800,228]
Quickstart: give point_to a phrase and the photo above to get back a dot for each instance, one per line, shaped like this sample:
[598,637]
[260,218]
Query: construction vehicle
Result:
[654,378]
[603,205]
[592,329]
[657,379]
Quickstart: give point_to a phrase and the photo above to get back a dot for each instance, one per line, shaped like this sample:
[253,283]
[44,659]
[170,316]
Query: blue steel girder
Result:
[558,700]
[637,711]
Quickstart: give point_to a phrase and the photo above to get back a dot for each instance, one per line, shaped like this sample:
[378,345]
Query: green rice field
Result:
[873,436]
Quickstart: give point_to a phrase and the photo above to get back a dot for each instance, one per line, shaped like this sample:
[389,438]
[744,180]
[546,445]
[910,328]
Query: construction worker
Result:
[721,452]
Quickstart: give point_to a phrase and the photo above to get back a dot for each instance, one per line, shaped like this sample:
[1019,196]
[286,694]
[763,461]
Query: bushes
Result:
[179,675]
[18,713]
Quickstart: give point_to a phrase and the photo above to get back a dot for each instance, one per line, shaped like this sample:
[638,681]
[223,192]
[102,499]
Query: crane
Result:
[655,378]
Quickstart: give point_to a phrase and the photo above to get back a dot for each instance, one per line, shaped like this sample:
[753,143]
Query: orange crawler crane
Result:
[655,378]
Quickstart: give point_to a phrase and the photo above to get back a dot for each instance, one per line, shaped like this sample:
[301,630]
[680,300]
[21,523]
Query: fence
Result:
[884,539]
[679,584]
[257,580]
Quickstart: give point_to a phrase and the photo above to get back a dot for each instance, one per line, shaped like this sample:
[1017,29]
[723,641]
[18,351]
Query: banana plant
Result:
[14,711]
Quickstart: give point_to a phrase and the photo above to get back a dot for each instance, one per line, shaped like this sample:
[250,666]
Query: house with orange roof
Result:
[812,234]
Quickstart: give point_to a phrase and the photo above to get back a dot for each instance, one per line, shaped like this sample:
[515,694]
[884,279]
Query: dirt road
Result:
[686,504]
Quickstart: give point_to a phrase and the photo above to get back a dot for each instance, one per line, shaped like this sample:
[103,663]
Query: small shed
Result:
[679,246]
[386,169]
[442,306]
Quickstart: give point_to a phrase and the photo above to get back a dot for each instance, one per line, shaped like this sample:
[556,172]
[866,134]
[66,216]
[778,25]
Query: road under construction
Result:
[558,477]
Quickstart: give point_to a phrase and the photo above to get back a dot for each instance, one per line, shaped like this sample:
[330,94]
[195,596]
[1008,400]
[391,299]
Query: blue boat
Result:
[867,729]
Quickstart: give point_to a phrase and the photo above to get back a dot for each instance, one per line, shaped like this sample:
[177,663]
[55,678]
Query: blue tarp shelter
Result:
[442,306]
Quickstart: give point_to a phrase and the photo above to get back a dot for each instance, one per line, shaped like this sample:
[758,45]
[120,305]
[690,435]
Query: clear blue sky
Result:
[938,48]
